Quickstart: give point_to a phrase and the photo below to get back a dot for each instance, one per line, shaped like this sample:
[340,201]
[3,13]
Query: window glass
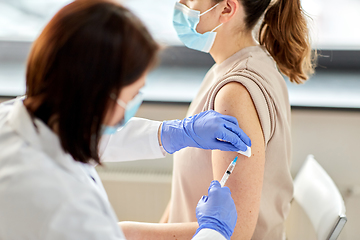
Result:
[333,26]
[157,17]
[24,19]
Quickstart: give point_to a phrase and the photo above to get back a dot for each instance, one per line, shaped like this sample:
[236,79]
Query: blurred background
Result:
[325,110]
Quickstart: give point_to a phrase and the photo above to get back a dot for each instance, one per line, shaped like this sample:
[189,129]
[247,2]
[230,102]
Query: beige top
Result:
[254,68]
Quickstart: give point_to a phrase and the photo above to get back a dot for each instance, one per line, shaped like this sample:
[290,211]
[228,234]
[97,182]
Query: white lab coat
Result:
[45,194]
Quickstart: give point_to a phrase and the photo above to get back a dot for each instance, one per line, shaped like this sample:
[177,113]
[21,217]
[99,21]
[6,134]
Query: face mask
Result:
[185,21]
[130,110]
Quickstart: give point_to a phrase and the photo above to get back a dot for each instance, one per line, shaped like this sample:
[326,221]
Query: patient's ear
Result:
[230,9]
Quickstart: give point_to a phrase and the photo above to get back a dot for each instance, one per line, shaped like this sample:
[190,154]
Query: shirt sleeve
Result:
[259,95]
[137,140]
[208,234]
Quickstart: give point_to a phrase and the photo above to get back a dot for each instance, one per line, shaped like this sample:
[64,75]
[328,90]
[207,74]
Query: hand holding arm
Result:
[206,130]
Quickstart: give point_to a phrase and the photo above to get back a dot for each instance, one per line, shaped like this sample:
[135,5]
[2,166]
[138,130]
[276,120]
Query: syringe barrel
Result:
[231,167]
[224,179]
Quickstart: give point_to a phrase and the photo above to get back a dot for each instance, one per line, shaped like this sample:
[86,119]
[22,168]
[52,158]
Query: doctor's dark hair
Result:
[284,33]
[90,49]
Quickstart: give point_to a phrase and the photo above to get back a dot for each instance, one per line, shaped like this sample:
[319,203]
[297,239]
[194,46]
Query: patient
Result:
[246,82]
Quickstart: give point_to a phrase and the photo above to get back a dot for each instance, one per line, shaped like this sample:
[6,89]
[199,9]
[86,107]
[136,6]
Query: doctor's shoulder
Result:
[5,108]
[39,200]
[38,205]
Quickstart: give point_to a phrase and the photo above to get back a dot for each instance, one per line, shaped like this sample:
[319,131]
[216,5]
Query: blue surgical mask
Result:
[185,21]
[130,110]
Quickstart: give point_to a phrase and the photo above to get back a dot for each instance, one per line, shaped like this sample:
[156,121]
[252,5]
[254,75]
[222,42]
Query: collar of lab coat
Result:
[38,135]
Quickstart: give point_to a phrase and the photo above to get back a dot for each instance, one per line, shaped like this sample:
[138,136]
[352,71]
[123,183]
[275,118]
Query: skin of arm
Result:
[246,181]
[165,216]
[158,231]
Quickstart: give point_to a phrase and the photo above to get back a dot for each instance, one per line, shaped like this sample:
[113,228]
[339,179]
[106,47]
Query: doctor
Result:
[83,79]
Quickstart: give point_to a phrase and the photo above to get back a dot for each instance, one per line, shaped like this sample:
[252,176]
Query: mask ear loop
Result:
[209,9]
[121,103]
[217,27]
[118,101]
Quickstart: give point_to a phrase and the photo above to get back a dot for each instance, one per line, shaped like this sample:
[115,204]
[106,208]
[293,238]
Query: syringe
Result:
[229,170]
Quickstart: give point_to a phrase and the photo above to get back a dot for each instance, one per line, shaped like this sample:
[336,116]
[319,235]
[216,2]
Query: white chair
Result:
[320,199]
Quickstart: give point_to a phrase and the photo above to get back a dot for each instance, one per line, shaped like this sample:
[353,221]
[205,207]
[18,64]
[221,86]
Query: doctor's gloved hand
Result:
[217,211]
[204,130]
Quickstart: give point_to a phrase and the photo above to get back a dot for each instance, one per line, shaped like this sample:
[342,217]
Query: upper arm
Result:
[246,180]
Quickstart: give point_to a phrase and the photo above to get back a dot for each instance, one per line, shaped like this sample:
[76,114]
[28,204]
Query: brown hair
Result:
[284,33]
[90,49]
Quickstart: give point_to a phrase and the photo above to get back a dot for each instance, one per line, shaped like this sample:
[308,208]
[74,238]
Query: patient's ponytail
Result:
[285,34]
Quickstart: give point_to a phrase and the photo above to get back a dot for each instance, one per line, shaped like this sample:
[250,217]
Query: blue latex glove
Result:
[203,131]
[217,211]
